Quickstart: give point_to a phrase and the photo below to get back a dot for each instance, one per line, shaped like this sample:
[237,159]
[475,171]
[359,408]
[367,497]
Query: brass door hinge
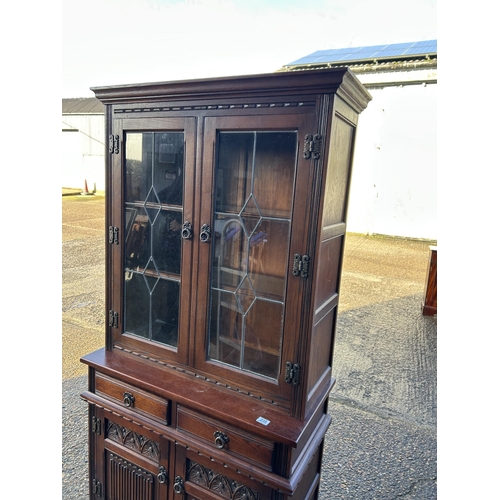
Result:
[301,265]
[97,488]
[113,319]
[292,373]
[113,232]
[96,425]
[114,144]
[312,146]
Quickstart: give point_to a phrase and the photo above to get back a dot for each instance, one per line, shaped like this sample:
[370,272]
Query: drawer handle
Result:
[128,399]
[178,485]
[162,475]
[221,439]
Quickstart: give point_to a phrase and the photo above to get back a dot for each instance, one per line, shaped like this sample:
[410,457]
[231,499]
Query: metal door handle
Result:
[178,485]
[162,475]
[205,233]
[187,231]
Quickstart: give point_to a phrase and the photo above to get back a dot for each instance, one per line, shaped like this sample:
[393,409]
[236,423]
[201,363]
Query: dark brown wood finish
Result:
[177,422]
[429,305]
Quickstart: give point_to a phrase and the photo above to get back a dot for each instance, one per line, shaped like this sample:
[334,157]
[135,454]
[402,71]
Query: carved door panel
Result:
[132,462]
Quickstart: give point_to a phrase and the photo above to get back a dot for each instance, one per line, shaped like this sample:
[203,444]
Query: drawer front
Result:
[225,437]
[131,397]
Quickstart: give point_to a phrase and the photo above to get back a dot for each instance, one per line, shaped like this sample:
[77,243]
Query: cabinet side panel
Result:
[329,257]
[321,346]
[326,296]
[328,272]
[337,177]
[308,486]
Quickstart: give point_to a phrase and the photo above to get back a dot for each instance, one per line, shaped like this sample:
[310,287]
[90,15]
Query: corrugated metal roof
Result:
[82,105]
[374,52]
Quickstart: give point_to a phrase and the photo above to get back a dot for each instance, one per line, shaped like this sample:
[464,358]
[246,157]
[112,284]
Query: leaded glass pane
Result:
[136,305]
[154,179]
[226,316]
[166,241]
[260,348]
[254,179]
[165,312]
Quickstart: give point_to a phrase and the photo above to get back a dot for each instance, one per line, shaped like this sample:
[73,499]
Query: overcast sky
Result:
[106,42]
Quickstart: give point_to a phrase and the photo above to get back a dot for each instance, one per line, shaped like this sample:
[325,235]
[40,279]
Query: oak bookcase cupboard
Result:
[225,207]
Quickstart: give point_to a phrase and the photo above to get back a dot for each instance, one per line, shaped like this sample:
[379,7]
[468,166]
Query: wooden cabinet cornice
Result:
[284,84]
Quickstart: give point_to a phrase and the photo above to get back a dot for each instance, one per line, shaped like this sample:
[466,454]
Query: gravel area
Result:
[74,443]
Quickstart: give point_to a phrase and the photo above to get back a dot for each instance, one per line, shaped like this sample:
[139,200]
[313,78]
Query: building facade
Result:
[394,180]
[83,148]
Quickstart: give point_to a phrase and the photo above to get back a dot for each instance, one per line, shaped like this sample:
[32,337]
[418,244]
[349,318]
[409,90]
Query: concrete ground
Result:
[382,441]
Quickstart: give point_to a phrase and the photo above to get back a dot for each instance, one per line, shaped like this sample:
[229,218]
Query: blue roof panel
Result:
[368,53]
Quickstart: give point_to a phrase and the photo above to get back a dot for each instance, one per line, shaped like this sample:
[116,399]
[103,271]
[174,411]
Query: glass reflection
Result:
[154,159]
[166,241]
[136,305]
[165,312]
[260,348]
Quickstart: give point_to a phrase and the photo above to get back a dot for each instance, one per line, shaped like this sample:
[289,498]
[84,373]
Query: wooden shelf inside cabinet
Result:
[270,287]
[236,345]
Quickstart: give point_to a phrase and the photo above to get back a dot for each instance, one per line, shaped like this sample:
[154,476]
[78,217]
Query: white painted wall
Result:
[83,152]
[394,181]
[71,160]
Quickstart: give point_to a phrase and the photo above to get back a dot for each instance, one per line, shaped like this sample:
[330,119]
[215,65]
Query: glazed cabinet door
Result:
[131,461]
[152,210]
[255,205]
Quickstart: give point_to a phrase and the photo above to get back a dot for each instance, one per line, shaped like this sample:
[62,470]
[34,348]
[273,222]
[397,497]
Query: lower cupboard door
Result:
[207,480]
[131,461]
